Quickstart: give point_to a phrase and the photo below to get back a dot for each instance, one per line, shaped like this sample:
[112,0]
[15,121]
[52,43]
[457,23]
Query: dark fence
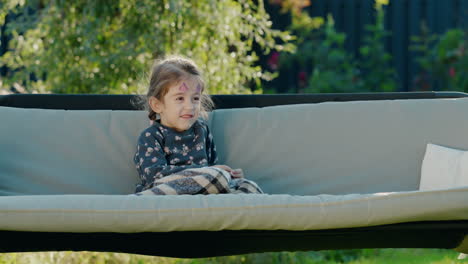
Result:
[403,19]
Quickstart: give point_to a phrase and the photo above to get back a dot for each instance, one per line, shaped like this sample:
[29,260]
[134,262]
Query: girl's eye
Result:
[180,98]
[196,99]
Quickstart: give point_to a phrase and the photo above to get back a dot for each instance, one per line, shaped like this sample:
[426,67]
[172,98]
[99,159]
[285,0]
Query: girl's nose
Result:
[189,105]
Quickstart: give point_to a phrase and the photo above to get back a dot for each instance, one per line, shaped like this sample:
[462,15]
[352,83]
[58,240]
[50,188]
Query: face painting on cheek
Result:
[198,88]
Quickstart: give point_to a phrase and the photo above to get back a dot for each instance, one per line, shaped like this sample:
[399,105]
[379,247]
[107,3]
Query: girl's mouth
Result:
[187,116]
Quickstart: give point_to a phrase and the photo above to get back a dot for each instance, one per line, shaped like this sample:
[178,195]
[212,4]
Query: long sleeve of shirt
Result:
[162,151]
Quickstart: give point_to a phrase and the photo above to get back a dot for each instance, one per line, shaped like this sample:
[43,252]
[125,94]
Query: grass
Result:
[364,256]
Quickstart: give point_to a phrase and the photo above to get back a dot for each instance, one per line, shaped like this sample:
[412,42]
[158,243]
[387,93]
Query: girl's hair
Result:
[169,71]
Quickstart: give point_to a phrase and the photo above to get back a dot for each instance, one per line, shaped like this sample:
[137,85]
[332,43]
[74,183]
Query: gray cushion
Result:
[338,147]
[332,148]
[60,152]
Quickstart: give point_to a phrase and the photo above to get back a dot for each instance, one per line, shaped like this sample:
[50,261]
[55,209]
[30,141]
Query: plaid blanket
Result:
[208,180]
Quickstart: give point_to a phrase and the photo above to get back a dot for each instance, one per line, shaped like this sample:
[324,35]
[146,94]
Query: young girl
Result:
[176,154]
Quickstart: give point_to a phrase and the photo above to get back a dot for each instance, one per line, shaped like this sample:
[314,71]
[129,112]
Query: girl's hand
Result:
[224,167]
[237,173]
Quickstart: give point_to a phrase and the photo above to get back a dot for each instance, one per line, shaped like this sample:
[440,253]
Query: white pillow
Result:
[443,168]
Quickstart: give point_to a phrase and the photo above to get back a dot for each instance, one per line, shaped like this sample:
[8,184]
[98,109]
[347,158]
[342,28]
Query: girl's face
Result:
[180,107]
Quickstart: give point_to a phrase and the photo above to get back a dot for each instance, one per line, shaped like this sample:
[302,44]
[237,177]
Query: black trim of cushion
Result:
[128,102]
[197,244]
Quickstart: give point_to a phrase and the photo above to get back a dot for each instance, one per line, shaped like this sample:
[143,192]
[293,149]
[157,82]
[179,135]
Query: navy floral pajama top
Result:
[162,151]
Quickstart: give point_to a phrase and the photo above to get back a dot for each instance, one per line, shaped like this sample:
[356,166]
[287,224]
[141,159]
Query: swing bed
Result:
[21,218]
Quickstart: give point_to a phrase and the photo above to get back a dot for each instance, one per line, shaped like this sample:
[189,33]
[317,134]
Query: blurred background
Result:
[243,47]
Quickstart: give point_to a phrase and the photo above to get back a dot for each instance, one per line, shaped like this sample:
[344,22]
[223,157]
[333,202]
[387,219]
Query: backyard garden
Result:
[242,47]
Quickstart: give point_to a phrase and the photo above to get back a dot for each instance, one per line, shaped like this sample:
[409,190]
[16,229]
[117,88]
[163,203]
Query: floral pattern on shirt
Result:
[162,151]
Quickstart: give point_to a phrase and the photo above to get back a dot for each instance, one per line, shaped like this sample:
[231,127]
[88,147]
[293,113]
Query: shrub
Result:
[325,66]
[107,46]
[443,59]
[334,69]
[375,65]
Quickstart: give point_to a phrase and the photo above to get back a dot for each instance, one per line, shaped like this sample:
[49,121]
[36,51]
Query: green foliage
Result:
[354,256]
[374,61]
[334,69]
[329,67]
[444,57]
[106,46]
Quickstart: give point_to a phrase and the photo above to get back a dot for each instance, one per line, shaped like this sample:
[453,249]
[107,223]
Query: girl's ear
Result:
[155,104]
